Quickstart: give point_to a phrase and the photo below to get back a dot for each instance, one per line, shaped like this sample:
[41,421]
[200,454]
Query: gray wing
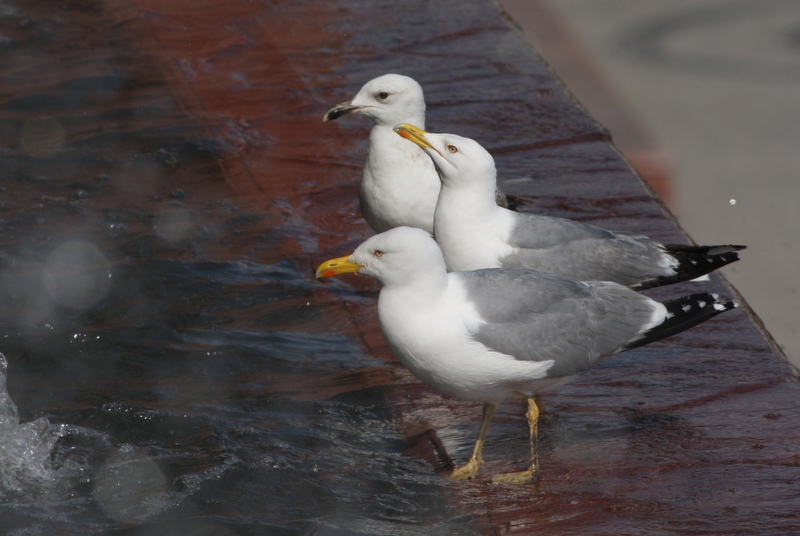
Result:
[534,231]
[537,317]
[584,252]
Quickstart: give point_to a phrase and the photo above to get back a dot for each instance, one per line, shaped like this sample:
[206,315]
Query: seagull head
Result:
[387,100]
[398,256]
[460,161]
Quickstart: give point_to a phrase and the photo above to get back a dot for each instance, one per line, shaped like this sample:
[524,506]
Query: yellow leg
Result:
[533,471]
[471,468]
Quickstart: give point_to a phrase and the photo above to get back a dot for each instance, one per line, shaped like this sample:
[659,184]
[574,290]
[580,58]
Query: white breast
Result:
[433,340]
[473,241]
[399,185]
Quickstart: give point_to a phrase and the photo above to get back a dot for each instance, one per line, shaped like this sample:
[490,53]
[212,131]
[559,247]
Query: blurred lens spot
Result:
[130,487]
[174,224]
[22,290]
[77,275]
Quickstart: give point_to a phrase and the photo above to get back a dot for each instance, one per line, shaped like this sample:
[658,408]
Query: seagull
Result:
[474,233]
[399,185]
[489,335]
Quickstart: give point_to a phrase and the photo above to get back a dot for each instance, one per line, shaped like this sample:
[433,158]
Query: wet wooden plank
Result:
[694,435]
[680,437]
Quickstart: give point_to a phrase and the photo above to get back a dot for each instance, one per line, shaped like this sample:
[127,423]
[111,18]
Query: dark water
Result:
[169,353]
[177,369]
[162,392]
[173,396]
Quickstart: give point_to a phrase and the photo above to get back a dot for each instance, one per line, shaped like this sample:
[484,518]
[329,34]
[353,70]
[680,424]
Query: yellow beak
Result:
[337,266]
[413,134]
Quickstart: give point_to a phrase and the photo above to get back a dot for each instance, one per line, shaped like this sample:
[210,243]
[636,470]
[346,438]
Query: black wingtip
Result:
[683,313]
[694,262]
[703,250]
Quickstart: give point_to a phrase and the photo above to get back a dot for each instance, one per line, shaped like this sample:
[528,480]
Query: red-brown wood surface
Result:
[697,434]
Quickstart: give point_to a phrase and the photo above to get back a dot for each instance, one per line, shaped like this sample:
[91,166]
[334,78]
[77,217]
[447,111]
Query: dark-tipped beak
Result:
[339,110]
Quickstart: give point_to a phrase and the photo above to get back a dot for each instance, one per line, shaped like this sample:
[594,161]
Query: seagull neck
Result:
[467,201]
[421,289]
[412,119]
[384,143]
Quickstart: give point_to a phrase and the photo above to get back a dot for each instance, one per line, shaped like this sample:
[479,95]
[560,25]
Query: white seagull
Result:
[399,185]
[474,233]
[488,335]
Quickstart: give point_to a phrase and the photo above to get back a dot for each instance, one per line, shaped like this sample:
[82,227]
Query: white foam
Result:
[26,451]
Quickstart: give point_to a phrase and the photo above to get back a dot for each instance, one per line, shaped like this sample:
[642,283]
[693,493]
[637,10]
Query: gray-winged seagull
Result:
[399,184]
[488,335]
[474,233]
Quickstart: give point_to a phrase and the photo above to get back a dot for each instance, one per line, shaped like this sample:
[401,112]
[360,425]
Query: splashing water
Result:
[26,450]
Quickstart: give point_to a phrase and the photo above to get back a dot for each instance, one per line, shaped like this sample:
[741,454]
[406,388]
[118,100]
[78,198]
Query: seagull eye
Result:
[383,95]
[378,253]
[452,148]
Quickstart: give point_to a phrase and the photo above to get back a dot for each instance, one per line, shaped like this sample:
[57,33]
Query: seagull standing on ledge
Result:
[474,233]
[488,335]
[399,186]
